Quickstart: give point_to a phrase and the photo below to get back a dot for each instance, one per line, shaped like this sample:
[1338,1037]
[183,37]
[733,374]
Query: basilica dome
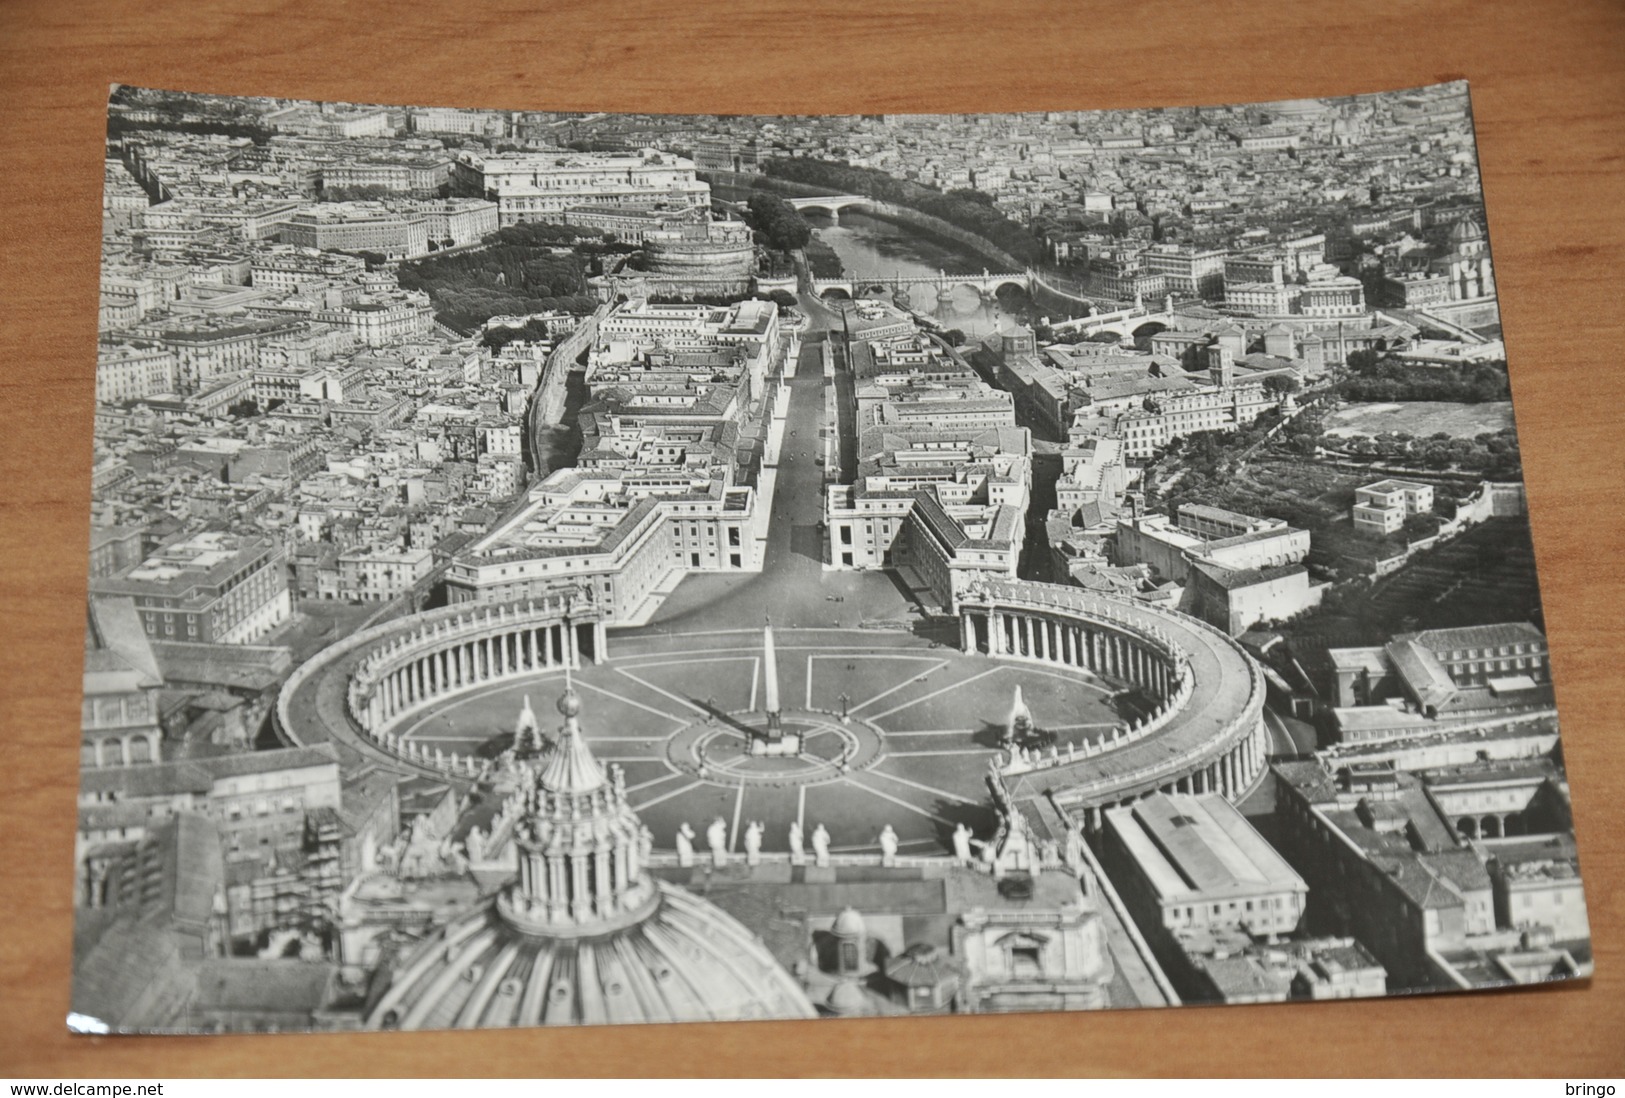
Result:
[584,934]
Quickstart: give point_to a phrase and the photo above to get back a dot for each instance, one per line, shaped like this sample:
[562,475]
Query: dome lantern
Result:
[584,933]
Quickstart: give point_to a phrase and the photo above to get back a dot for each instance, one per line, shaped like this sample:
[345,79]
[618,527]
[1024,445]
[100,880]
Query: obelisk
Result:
[770,684]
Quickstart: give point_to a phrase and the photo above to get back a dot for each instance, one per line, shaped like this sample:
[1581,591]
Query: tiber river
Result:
[873,248]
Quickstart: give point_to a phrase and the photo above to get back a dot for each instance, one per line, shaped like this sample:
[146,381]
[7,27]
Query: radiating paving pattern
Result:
[899,730]
[922,724]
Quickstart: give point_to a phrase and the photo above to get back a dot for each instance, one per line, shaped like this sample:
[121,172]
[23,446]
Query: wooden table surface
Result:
[1548,86]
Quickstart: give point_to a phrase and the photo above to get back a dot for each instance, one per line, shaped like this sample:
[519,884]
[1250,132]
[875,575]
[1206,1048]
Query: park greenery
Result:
[1277,475]
[822,260]
[973,215]
[1383,379]
[782,298]
[369,192]
[1048,335]
[1491,454]
[777,224]
[529,332]
[526,268]
[119,126]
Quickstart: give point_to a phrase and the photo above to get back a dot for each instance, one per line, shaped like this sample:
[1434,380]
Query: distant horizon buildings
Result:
[541,186]
[943,473]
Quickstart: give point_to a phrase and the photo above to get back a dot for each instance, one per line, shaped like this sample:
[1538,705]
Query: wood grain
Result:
[1548,84]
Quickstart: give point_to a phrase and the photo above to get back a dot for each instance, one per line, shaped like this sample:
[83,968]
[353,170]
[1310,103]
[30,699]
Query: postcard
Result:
[560,568]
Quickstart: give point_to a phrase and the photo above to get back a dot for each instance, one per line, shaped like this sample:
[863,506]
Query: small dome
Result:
[1467,229]
[583,933]
[849,924]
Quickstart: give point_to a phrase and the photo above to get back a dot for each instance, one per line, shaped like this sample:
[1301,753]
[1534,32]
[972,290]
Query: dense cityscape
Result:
[570,568]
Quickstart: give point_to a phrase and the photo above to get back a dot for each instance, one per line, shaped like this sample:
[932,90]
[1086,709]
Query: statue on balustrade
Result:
[716,837]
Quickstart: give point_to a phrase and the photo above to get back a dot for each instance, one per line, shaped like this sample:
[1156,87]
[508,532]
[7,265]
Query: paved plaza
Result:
[923,721]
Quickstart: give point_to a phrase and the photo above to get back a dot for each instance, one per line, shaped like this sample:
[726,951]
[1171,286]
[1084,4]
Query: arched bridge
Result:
[831,204]
[1126,323]
[988,283]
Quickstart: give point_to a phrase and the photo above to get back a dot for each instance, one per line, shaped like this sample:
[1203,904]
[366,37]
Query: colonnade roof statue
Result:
[584,934]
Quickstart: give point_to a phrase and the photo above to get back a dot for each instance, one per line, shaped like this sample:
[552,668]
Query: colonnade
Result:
[403,677]
[1096,647]
[1219,742]
[1494,825]
[1231,774]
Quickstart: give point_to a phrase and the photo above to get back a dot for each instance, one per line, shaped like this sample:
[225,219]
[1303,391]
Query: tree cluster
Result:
[822,260]
[1385,380]
[522,269]
[365,193]
[776,223]
[973,215]
[118,126]
[528,332]
[1493,454]
[370,192]
[781,298]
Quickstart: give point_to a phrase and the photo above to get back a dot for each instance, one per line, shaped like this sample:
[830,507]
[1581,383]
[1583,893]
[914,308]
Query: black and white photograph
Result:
[558,568]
